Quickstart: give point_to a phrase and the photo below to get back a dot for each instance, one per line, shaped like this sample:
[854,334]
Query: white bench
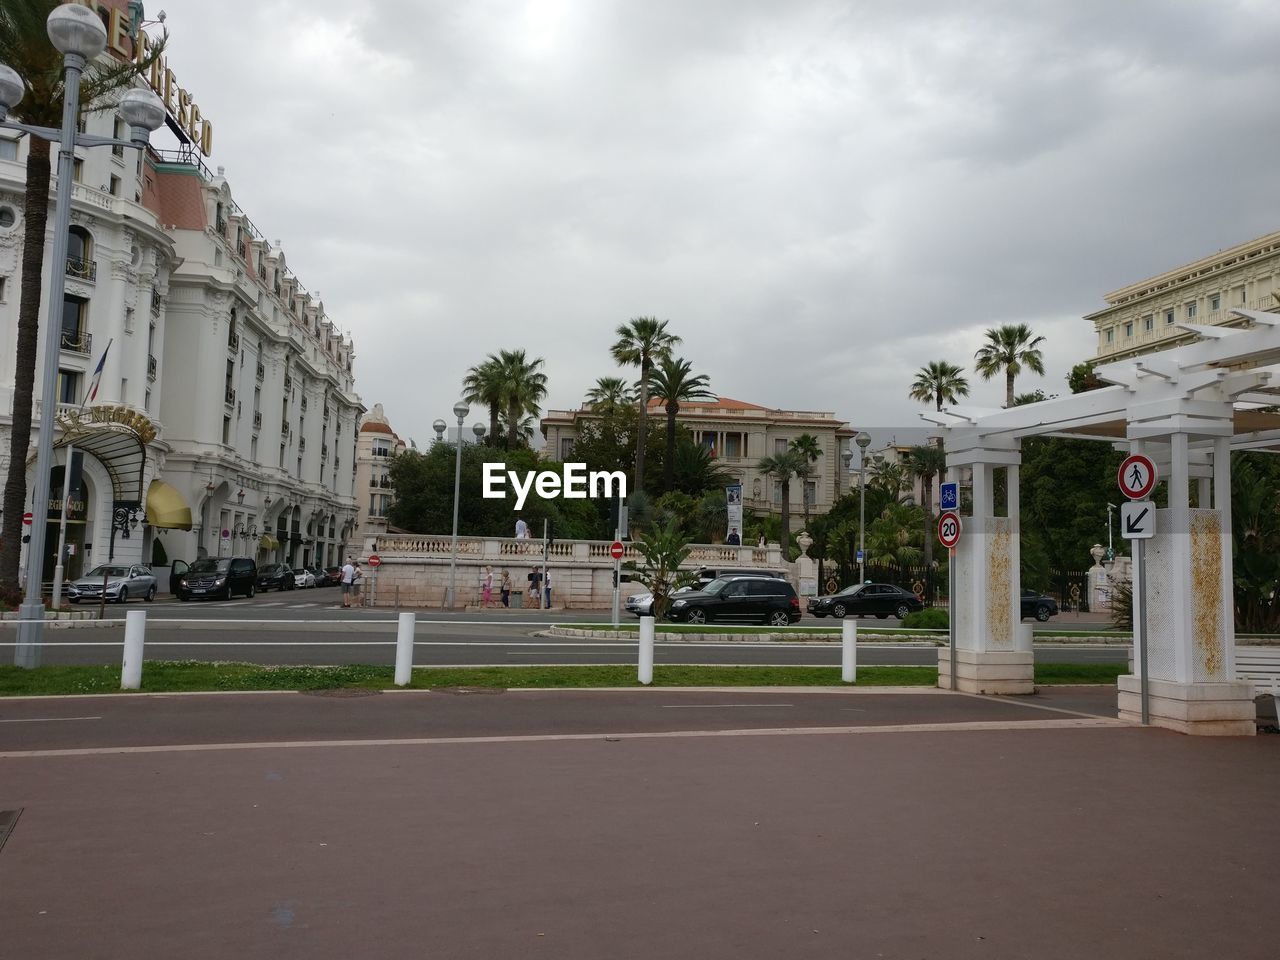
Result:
[1260,666]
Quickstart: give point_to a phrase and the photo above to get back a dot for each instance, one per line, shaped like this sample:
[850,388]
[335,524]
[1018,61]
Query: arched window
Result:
[80,254]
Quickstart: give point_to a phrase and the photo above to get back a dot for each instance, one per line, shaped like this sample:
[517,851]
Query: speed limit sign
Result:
[949,529]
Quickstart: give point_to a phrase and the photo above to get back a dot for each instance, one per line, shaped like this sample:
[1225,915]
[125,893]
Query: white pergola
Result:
[1186,408]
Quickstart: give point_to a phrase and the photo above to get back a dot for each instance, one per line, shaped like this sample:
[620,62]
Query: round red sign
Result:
[1137,476]
[27,518]
[949,529]
[374,560]
[616,549]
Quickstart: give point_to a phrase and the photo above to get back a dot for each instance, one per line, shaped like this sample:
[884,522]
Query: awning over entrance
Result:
[268,542]
[166,507]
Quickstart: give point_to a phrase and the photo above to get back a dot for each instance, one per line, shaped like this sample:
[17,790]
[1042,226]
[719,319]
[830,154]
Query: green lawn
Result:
[168,676]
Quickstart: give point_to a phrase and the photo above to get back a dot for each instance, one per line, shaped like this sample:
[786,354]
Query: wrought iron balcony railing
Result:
[82,269]
[77,341]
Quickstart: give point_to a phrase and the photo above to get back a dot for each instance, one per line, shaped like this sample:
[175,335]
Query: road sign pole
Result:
[1140,625]
[951,611]
[617,576]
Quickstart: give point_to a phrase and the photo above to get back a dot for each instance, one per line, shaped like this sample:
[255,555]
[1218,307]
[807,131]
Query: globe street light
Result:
[79,36]
[460,410]
[863,440]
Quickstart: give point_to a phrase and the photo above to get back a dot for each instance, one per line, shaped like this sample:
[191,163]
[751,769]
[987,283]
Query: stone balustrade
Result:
[416,569]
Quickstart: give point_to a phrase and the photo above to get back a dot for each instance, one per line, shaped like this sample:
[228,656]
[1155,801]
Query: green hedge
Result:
[930,619]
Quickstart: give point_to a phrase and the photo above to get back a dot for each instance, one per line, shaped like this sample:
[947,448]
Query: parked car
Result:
[322,577]
[219,577]
[123,581]
[707,574]
[334,574]
[770,600]
[641,604]
[275,576]
[303,578]
[1038,605]
[877,600]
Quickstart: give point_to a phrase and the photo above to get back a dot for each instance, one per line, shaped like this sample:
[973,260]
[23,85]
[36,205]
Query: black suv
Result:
[1038,605]
[220,577]
[767,600]
[275,576]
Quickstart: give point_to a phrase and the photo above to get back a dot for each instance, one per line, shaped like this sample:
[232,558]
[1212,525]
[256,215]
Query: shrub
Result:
[930,619]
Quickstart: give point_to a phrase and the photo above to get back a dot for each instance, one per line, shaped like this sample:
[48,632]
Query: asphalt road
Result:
[294,633]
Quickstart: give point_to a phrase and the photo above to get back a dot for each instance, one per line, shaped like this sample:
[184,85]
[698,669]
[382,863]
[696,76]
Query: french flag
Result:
[97,376]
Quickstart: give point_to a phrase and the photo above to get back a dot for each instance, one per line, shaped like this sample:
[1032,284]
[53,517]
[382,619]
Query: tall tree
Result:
[25,46]
[889,476]
[674,382]
[927,462]
[484,384]
[643,341]
[783,466]
[1008,349]
[807,445]
[940,382]
[609,394]
[523,388]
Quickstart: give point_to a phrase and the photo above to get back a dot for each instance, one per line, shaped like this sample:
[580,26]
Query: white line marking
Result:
[48,719]
[719,706]
[960,727]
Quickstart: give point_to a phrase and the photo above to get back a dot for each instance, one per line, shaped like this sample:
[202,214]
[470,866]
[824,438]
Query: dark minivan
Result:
[220,577]
[731,599]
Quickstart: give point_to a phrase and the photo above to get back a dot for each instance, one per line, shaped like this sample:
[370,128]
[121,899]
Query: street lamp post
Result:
[124,517]
[863,440]
[79,36]
[460,411]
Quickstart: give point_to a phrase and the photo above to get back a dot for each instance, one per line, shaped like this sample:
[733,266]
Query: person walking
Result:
[522,528]
[547,586]
[486,587]
[348,577]
[506,587]
[356,577]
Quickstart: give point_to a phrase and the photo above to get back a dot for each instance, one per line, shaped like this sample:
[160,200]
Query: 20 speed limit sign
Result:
[949,529]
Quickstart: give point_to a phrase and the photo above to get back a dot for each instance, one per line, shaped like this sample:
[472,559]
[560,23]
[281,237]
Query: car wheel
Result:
[124,595]
[779,618]
[151,593]
[1042,613]
[902,611]
[252,590]
[818,613]
[697,615]
[183,597]
[838,611]
[226,592]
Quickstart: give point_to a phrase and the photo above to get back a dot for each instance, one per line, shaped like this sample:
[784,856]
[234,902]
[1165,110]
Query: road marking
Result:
[959,727]
[48,719]
[719,706]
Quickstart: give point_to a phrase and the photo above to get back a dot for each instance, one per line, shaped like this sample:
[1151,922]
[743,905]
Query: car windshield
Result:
[105,571]
[850,591]
[211,565]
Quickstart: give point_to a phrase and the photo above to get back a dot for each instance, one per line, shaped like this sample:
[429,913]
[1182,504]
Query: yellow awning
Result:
[166,507]
[268,542]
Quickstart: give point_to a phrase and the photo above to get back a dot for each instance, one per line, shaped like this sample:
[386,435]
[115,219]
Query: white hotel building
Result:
[227,414]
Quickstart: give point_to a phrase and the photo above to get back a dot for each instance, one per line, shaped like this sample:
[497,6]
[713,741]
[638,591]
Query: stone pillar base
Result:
[1203,709]
[992,671]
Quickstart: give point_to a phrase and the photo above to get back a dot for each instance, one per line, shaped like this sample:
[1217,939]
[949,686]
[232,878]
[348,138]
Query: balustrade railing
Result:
[587,552]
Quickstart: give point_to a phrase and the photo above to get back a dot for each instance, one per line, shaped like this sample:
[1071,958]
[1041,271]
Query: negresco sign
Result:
[73,421]
[185,118]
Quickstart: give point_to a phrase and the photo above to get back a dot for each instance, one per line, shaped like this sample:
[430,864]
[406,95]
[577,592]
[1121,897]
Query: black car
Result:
[218,577]
[275,576]
[877,600]
[738,600]
[1038,605]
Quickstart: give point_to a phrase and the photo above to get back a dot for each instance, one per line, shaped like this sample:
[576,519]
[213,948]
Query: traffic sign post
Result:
[1137,520]
[27,518]
[949,527]
[949,496]
[616,549]
[1137,478]
[375,562]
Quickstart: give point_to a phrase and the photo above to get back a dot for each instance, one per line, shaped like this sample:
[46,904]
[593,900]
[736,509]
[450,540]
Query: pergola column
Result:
[985,604]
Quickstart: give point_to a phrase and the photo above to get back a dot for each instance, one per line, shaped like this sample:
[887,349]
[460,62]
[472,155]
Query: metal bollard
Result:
[849,651]
[135,630]
[404,649]
[646,651]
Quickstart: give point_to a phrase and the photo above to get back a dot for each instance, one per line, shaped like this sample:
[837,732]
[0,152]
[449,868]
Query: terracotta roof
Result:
[373,427]
[179,200]
[722,403]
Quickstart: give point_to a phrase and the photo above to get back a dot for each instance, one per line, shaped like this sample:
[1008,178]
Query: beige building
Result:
[1156,313]
[376,444]
[740,434]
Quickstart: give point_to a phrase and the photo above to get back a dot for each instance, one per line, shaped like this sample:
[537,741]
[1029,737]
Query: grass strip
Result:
[188,676]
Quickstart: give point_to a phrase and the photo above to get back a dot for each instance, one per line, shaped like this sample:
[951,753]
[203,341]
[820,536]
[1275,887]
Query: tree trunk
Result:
[1008,388]
[926,482]
[669,468]
[494,423]
[786,518]
[513,426]
[642,422]
[33,241]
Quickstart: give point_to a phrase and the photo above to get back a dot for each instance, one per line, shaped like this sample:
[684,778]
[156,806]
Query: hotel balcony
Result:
[77,341]
[82,269]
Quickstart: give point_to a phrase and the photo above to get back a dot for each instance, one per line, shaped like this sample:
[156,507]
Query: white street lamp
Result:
[79,36]
[863,440]
[460,410]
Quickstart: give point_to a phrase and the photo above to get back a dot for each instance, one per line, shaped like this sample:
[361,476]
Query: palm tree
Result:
[889,476]
[790,463]
[1007,350]
[609,394]
[523,388]
[25,46]
[889,537]
[807,444]
[927,462]
[940,382]
[673,381]
[484,384]
[641,342]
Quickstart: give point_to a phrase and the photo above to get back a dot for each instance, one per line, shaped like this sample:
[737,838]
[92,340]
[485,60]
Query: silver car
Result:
[123,582]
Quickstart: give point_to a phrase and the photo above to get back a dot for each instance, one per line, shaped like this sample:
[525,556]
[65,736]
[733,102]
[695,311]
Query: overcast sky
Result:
[820,197]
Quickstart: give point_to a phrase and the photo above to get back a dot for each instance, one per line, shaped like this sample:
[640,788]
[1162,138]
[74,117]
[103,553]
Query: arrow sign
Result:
[1137,520]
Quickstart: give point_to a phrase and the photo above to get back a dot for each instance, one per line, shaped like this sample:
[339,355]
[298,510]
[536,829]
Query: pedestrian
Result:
[761,543]
[348,577]
[486,587]
[522,528]
[547,586]
[506,587]
[733,540]
[535,588]
[355,584]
